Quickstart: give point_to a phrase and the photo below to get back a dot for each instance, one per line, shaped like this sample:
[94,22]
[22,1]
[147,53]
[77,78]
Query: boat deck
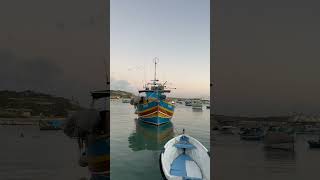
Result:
[184,166]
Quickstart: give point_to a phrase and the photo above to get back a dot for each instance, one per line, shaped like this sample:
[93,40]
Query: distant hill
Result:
[121,94]
[30,103]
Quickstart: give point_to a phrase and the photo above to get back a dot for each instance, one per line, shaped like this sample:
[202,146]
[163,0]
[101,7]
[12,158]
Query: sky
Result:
[266,57]
[175,31]
[56,47]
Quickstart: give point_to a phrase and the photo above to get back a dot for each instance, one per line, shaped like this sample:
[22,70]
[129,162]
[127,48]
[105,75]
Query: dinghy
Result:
[185,158]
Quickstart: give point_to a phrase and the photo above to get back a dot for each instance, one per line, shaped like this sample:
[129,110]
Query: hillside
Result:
[121,94]
[30,103]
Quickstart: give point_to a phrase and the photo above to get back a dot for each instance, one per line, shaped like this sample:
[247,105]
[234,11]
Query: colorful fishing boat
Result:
[154,107]
[92,129]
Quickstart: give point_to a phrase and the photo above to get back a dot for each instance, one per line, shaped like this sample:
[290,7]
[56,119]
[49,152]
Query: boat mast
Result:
[156,60]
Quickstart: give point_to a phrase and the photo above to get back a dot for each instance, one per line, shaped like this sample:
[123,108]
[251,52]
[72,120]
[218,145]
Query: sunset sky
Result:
[177,32]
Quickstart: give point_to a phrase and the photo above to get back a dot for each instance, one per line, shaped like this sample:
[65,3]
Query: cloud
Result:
[20,73]
[41,74]
[122,85]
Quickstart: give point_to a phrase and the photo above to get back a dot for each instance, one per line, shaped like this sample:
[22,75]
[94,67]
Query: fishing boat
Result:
[197,104]
[179,102]
[154,107]
[50,124]
[188,103]
[125,100]
[279,138]
[314,143]
[184,157]
[91,128]
[227,129]
[251,133]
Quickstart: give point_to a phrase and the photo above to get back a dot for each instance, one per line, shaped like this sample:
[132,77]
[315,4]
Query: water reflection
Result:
[150,137]
[277,155]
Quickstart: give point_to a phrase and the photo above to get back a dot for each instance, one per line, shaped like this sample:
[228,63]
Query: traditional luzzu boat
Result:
[185,158]
[91,128]
[154,108]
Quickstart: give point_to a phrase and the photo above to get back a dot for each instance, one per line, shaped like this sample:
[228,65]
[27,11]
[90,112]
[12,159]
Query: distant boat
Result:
[184,157]
[50,124]
[226,129]
[188,103]
[279,138]
[155,108]
[197,104]
[125,100]
[179,102]
[314,143]
[252,133]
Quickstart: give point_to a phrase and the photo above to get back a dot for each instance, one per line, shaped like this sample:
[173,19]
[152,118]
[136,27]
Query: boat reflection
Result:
[279,155]
[149,137]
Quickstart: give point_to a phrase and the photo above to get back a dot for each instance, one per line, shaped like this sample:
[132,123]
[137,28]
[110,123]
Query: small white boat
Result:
[197,104]
[126,100]
[185,158]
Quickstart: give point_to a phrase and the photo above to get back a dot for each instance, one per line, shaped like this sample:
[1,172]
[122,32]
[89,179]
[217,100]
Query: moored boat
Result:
[252,133]
[227,129]
[51,124]
[197,104]
[279,138]
[188,103]
[91,128]
[314,143]
[154,107]
[125,100]
[184,157]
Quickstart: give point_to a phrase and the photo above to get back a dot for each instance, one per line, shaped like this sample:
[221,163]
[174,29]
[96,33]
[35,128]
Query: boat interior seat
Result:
[184,143]
[184,166]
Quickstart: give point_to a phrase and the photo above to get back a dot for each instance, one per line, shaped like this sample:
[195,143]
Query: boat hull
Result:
[155,112]
[279,140]
[314,144]
[199,155]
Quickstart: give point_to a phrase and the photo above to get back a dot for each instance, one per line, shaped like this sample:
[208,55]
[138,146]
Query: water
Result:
[136,147]
[237,159]
[38,155]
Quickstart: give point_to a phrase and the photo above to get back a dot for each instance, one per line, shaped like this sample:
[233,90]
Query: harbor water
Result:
[136,146]
[238,159]
[38,155]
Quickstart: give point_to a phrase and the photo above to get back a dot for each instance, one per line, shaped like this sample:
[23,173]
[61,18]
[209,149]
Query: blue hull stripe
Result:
[155,120]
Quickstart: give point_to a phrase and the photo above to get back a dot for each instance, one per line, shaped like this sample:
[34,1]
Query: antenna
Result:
[155,60]
[107,74]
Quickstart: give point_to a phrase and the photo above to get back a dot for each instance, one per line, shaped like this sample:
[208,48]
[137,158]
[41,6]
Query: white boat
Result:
[196,104]
[126,100]
[184,158]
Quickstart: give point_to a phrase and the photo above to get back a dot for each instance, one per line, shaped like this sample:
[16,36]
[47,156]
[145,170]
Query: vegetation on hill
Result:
[121,94]
[30,103]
